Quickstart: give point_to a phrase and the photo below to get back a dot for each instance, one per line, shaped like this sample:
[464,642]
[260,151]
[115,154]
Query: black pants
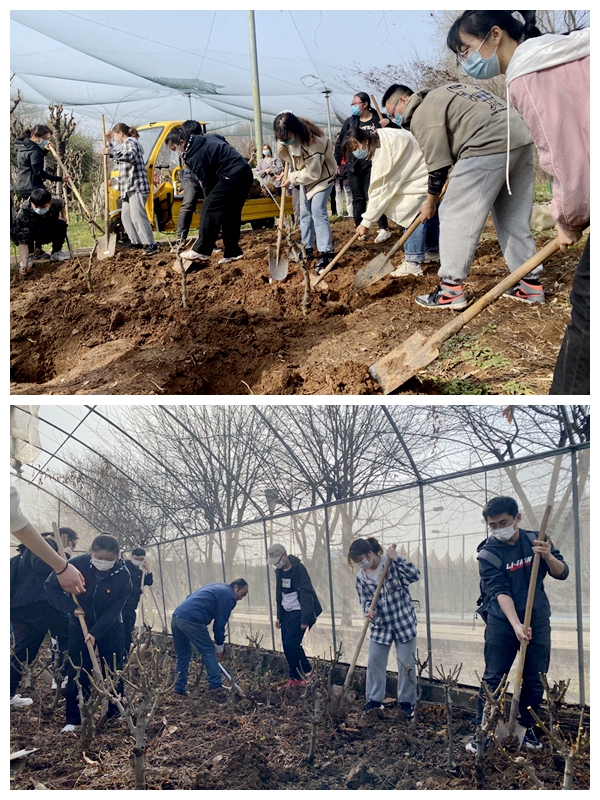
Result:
[292,635]
[572,369]
[128,626]
[222,212]
[359,186]
[30,624]
[192,192]
[110,648]
[500,649]
[55,233]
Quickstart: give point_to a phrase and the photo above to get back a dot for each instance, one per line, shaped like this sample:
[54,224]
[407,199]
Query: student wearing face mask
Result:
[41,220]
[107,587]
[505,559]
[137,566]
[270,168]
[393,621]
[548,83]
[31,152]
[297,609]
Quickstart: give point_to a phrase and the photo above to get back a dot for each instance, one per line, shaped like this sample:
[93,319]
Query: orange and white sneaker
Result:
[527,292]
[446,295]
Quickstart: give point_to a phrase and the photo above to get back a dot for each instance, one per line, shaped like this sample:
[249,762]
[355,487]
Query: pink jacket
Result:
[555,104]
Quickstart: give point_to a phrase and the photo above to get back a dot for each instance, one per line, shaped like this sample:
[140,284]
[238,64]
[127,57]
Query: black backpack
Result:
[485,596]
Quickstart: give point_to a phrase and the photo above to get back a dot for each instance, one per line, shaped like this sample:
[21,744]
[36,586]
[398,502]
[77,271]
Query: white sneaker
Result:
[19,701]
[382,236]
[227,260]
[432,257]
[60,256]
[192,255]
[70,728]
[406,268]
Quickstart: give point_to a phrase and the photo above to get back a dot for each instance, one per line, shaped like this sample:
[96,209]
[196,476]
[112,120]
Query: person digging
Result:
[505,559]
[297,609]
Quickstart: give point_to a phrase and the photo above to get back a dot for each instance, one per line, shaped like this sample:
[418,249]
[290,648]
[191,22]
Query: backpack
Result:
[485,597]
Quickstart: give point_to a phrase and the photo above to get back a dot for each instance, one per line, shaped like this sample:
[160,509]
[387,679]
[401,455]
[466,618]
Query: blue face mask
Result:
[398,120]
[355,111]
[478,67]
[288,141]
[360,154]
[41,210]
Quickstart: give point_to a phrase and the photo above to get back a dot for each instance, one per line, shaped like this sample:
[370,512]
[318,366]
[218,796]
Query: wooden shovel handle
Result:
[105,164]
[379,114]
[73,187]
[84,627]
[366,625]
[281,212]
[507,283]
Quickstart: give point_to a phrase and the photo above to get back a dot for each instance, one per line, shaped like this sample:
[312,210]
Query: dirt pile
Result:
[242,334]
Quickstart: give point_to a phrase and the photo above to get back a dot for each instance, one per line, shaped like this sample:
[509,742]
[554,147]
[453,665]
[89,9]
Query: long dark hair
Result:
[358,136]
[360,547]
[364,98]
[286,124]
[480,23]
[37,130]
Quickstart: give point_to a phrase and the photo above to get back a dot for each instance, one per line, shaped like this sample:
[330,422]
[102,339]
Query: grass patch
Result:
[461,386]
[468,347]
[514,387]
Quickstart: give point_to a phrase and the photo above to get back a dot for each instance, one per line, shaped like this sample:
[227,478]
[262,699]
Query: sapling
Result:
[86,710]
[312,699]
[555,697]
[450,681]
[417,681]
[570,751]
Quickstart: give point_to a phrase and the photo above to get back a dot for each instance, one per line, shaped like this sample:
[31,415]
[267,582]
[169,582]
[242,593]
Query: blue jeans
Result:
[186,634]
[426,237]
[314,220]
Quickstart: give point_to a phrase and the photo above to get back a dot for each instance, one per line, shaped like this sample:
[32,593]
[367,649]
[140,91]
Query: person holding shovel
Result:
[467,128]
[297,609]
[140,577]
[31,153]
[128,153]
[304,146]
[505,559]
[539,67]
[393,620]
[107,587]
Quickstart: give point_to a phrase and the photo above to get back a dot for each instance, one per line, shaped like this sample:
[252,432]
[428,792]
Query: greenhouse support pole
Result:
[58,512]
[187,563]
[269,585]
[327,92]
[330,580]
[162,585]
[255,83]
[426,571]
[578,589]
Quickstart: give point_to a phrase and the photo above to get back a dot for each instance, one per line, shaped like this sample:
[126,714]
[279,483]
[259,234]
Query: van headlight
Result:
[114,184]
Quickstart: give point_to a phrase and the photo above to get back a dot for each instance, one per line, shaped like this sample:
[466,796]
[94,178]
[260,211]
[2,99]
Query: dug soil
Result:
[262,742]
[242,334]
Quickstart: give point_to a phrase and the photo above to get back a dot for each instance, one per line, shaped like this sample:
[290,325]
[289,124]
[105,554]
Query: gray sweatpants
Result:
[135,220]
[377,665]
[478,186]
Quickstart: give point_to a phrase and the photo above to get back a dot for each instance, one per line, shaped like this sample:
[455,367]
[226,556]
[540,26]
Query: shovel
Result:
[234,685]
[314,280]
[418,351]
[339,694]
[514,729]
[278,266]
[381,265]
[107,242]
[84,208]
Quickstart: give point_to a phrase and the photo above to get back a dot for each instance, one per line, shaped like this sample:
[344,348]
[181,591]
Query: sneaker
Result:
[151,249]
[295,682]
[231,258]
[219,695]
[527,292]
[40,255]
[128,246]
[531,741]
[371,705]
[71,728]
[181,694]
[20,702]
[192,255]
[408,710]
[444,296]
[407,268]
[432,257]
[324,260]
[471,747]
[310,253]
[60,256]
[383,236]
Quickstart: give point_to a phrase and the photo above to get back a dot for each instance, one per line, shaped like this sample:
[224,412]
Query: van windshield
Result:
[148,138]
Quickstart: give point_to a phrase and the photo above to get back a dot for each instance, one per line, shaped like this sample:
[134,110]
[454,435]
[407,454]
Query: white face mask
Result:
[366,563]
[137,562]
[279,565]
[504,534]
[102,565]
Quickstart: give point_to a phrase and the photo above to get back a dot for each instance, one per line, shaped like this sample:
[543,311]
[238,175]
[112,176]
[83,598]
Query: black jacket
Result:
[212,158]
[28,573]
[104,597]
[506,569]
[30,167]
[29,226]
[354,122]
[136,585]
[300,582]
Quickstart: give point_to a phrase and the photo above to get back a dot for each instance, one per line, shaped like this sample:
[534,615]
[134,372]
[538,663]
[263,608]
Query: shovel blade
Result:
[403,362]
[510,739]
[377,268]
[106,246]
[278,265]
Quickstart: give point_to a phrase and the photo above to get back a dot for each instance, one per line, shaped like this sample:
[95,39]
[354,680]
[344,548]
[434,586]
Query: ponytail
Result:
[121,127]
